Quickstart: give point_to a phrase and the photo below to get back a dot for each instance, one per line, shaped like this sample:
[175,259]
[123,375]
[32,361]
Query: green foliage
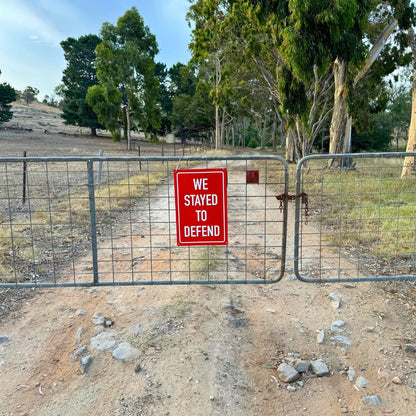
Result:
[253,143]
[125,62]
[78,76]
[7,96]
[106,100]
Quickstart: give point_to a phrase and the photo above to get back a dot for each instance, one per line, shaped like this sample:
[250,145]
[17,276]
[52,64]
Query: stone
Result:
[98,319]
[3,339]
[125,352]
[319,368]
[80,312]
[302,366]
[85,363]
[103,341]
[336,299]
[396,380]
[320,338]
[80,350]
[287,373]
[336,304]
[137,368]
[335,296]
[291,388]
[361,382]
[79,334]
[410,347]
[335,329]
[341,339]
[344,410]
[235,321]
[373,400]
[351,374]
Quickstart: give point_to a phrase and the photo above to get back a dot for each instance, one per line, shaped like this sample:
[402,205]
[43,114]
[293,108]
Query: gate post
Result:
[91,195]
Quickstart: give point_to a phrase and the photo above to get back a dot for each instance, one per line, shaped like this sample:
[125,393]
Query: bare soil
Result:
[205,350]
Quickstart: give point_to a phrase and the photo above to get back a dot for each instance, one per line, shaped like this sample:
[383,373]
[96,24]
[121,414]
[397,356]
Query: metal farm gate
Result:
[361,223]
[112,221]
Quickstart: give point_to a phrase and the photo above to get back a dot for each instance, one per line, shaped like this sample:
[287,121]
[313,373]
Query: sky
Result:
[31,32]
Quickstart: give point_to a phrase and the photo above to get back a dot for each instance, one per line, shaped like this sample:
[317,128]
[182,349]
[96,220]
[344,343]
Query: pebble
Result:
[79,334]
[344,410]
[80,350]
[338,323]
[3,339]
[291,388]
[236,322]
[320,338]
[351,374]
[341,339]
[410,347]
[98,319]
[287,373]
[137,368]
[272,311]
[319,368]
[125,352]
[336,300]
[80,312]
[373,400]
[361,382]
[302,366]
[103,341]
[85,363]
[396,380]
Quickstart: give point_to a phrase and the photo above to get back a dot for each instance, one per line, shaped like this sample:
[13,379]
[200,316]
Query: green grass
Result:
[369,207]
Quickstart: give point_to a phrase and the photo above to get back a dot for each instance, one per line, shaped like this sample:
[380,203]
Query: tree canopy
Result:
[127,86]
[78,76]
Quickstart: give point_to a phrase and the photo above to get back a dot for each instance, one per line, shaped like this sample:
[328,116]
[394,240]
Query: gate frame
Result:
[299,166]
[94,244]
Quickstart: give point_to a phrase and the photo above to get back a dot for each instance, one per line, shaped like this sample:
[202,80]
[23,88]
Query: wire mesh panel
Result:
[357,219]
[111,221]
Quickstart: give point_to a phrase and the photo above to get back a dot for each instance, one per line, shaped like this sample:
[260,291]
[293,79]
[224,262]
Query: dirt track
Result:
[208,350]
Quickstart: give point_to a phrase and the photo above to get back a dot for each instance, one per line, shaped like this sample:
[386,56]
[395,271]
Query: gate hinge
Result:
[286,197]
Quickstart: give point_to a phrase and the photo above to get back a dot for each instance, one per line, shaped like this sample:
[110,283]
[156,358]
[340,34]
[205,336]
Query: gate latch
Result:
[286,197]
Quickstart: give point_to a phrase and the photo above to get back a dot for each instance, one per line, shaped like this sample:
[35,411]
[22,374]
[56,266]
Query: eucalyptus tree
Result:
[316,35]
[128,88]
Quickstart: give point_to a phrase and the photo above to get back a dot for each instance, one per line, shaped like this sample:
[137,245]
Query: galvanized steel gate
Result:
[111,221]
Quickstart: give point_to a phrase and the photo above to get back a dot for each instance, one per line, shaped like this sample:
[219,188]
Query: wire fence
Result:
[361,222]
[111,221]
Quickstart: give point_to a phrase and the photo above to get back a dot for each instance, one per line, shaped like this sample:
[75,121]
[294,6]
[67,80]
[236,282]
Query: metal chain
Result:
[286,197]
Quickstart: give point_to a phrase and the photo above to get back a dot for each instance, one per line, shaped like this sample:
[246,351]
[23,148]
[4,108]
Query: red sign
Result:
[201,206]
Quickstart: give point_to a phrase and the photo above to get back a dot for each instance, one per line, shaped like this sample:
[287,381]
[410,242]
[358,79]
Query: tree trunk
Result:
[93,132]
[290,147]
[337,143]
[409,164]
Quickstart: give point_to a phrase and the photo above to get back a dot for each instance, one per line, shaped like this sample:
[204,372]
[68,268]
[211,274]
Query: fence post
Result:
[93,219]
[100,166]
[24,178]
